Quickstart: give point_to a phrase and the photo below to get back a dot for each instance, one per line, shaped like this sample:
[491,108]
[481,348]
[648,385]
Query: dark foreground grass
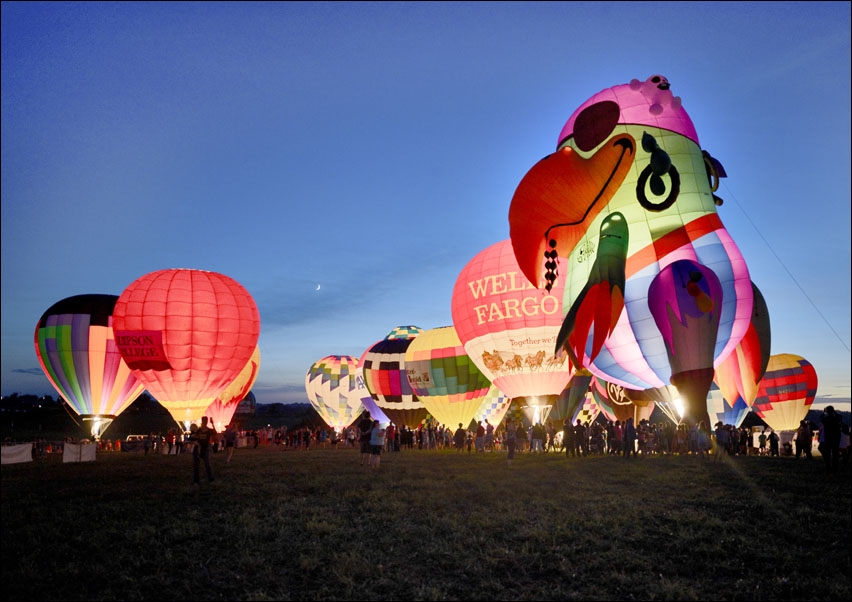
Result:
[427,525]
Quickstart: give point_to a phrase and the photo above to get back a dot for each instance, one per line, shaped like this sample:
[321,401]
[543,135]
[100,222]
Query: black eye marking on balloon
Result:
[660,165]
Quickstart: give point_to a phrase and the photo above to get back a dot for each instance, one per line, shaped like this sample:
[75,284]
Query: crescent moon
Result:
[318,287]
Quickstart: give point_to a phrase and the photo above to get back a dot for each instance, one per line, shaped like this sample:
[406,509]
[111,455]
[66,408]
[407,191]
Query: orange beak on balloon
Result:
[560,196]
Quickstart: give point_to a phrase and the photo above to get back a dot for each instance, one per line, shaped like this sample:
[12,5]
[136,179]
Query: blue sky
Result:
[344,161]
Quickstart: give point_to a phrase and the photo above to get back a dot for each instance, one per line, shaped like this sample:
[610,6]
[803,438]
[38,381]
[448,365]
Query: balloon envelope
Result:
[493,407]
[630,156]
[383,369]
[786,392]
[738,376]
[222,410]
[186,335]
[721,411]
[75,346]
[508,326]
[444,378]
[334,390]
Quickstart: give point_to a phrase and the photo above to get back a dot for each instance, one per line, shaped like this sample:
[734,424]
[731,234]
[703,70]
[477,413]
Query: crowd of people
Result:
[574,439]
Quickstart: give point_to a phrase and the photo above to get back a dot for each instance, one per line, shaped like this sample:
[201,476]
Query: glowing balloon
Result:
[786,392]
[668,399]
[587,411]
[739,375]
[186,335]
[720,410]
[222,410]
[628,193]
[368,402]
[383,368]
[615,404]
[493,407]
[334,390]
[508,327]
[444,377]
[75,345]
[574,394]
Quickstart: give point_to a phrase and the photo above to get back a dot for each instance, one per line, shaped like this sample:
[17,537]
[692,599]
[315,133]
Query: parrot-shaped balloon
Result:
[627,193]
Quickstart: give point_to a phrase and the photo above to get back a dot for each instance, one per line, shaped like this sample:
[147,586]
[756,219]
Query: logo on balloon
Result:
[142,349]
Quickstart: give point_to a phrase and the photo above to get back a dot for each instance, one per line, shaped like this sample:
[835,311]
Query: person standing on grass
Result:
[773,443]
[459,437]
[377,444]
[480,437]
[804,438]
[204,437]
[832,425]
[511,440]
[489,436]
[568,438]
[230,441]
[721,440]
[365,428]
[629,438]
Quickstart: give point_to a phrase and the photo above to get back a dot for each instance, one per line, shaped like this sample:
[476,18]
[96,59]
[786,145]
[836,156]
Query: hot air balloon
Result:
[334,391]
[444,377]
[574,394]
[493,407]
[509,327]
[786,392]
[616,404]
[75,345]
[668,399]
[368,402]
[628,193]
[587,411]
[186,335]
[221,411]
[721,411]
[738,376]
[383,368]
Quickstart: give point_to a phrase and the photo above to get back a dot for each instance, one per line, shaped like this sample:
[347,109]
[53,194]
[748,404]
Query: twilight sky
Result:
[345,161]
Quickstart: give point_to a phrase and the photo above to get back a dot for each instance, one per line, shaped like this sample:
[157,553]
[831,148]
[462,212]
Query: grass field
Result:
[426,525]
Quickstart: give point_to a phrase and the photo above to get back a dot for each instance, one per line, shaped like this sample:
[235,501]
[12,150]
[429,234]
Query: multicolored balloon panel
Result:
[627,194]
[738,376]
[75,346]
[335,391]
[509,327]
[383,369]
[493,407]
[786,392]
[186,335]
[721,411]
[444,377]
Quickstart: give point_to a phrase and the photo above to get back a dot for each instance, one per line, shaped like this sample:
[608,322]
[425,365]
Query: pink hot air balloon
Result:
[509,327]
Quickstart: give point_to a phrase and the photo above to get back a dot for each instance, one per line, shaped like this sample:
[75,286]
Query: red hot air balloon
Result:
[76,348]
[186,335]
